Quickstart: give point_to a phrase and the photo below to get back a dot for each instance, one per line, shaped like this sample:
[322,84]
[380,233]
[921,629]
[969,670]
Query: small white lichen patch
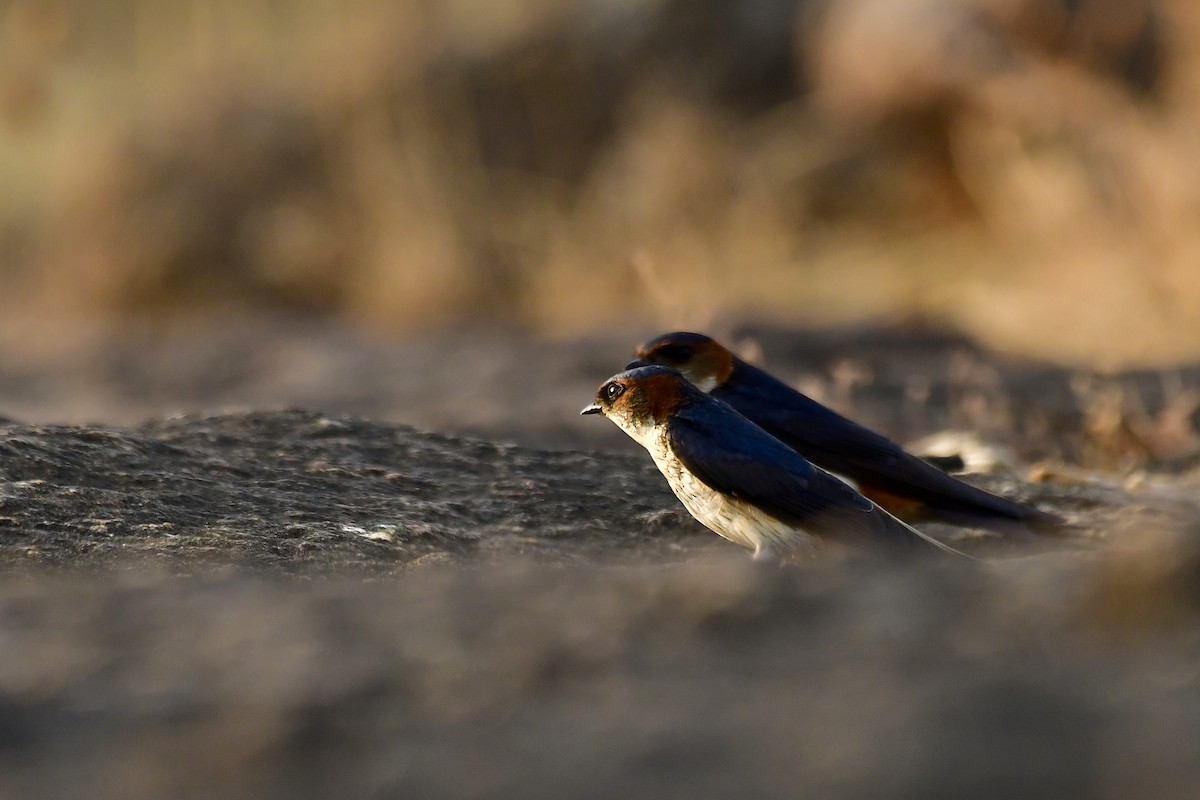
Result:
[379,533]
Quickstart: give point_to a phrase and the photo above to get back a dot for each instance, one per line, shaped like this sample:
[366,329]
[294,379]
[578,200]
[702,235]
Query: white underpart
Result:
[705,385]
[735,520]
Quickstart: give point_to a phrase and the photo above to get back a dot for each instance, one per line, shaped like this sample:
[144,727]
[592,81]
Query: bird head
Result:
[639,399]
[699,358]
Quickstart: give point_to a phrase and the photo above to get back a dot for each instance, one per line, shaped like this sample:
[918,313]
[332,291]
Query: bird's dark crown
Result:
[650,392]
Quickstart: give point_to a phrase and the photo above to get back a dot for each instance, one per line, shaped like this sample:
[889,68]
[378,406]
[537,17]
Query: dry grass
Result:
[428,163]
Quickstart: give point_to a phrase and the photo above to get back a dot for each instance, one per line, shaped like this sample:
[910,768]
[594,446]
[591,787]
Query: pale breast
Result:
[737,521]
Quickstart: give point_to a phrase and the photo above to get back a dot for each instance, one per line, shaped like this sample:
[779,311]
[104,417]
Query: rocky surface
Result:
[297,604]
[289,604]
[296,491]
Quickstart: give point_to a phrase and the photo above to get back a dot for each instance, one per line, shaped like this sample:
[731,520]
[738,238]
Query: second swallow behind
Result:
[882,470]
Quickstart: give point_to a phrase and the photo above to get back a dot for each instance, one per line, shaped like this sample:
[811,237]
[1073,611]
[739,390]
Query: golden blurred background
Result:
[1026,171]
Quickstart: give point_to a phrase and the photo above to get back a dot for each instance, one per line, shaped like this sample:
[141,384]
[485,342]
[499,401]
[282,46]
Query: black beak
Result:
[594,408]
[637,362]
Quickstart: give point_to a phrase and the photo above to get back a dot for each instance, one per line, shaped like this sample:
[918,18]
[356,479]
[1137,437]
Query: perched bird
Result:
[734,477]
[900,482]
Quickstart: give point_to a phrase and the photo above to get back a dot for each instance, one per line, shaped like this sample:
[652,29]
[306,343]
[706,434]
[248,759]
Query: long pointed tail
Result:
[911,534]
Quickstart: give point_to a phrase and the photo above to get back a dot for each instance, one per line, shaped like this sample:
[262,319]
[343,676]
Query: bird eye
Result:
[612,391]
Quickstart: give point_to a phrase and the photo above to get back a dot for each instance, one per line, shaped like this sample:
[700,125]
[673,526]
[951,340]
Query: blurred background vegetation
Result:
[1026,171]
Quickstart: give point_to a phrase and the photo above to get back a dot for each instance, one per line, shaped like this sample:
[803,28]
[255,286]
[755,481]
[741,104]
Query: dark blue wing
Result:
[734,456]
[847,448]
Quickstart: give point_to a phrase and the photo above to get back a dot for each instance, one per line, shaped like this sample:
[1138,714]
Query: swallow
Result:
[882,470]
[735,478]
